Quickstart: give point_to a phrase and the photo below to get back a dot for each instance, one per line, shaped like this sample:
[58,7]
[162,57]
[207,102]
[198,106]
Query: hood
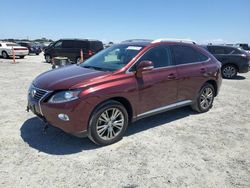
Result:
[66,77]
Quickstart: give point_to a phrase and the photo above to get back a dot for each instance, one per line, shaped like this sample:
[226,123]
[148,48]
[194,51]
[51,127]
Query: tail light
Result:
[247,56]
[90,53]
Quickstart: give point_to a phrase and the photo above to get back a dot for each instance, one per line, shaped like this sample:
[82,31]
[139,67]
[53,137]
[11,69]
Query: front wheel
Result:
[229,71]
[205,99]
[108,123]
[5,55]
[22,56]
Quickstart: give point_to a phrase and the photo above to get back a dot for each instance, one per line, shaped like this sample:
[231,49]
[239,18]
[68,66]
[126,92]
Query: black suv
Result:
[71,48]
[233,60]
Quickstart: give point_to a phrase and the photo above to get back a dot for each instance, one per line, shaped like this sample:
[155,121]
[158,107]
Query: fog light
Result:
[63,117]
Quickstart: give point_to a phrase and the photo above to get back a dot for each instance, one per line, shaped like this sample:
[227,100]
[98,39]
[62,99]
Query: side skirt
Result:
[164,109]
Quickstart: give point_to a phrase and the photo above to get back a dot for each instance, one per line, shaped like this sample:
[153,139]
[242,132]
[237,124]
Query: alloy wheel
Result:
[229,71]
[206,98]
[110,123]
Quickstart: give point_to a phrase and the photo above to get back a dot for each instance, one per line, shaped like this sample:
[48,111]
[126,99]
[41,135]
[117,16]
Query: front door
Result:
[158,87]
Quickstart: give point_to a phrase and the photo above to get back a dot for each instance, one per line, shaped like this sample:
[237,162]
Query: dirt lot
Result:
[174,149]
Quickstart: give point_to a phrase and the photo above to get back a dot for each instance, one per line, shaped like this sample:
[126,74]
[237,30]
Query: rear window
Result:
[185,54]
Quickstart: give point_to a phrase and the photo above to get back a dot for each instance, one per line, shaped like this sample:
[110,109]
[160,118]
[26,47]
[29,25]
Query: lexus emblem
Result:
[33,93]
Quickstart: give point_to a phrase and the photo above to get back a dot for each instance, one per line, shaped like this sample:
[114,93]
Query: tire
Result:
[229,71]
[5,55]
[205,98]
[102,127]
[48,58]
[37,53]
[22,56]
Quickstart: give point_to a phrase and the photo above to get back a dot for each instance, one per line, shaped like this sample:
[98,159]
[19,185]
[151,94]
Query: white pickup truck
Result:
[6,50]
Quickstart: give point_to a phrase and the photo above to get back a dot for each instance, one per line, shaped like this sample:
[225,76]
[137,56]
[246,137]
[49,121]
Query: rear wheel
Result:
[205,99]
[5,55]
[108,123]
[22,56]
[229,71]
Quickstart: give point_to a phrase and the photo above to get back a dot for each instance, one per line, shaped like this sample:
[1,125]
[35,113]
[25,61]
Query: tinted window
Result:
[230,51]
[58,44]
[216,50]
[67,44]
[81,44]
[236,51]
[160,56]
[186,54]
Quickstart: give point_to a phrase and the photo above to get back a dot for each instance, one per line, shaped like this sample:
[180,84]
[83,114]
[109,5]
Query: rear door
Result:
[191,70]
[158,87]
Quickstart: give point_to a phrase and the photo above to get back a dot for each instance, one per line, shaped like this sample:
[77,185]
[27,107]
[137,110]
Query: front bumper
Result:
[76,110]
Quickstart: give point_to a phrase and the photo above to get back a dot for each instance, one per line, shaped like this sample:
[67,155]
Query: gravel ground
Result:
[174,149]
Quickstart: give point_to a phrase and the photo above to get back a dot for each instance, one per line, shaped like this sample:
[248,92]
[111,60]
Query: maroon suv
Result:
[124,83]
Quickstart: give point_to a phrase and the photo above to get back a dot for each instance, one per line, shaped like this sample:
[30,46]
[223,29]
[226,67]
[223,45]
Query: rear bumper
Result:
[244,69]
[19,53]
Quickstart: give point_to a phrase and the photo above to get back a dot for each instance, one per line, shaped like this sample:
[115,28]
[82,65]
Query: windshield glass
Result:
[112,58]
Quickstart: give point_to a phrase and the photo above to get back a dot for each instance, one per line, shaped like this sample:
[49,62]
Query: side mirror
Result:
[144,66]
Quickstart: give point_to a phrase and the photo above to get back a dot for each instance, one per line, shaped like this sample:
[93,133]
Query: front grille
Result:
[37,93]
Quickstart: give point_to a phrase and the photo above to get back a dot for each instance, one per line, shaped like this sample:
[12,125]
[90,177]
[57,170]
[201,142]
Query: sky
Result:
[216,21]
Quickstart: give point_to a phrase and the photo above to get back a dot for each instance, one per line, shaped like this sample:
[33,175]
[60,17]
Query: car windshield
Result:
[112,58]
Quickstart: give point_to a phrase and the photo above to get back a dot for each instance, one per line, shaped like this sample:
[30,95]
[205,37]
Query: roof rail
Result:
[174,40]
[137,40]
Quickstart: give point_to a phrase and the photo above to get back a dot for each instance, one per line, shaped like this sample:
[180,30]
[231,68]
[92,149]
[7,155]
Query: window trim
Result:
[173,60]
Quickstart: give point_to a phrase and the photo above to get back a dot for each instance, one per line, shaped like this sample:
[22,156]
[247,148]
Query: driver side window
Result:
[160,56]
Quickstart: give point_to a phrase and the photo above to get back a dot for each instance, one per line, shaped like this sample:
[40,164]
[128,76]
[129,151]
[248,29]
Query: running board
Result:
[164,109]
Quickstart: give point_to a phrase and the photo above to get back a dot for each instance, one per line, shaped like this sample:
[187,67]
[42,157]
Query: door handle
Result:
[171,76]
[203,70]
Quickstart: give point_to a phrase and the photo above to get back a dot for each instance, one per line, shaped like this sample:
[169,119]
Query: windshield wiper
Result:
[95,68]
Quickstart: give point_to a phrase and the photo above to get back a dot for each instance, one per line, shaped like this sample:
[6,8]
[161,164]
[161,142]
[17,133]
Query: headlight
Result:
[64,96]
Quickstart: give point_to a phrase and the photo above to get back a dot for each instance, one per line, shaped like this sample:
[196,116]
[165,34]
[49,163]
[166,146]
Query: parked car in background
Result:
[243,47]
[233,60]
[33,48]
[70,48]
[124,83]
[6,50]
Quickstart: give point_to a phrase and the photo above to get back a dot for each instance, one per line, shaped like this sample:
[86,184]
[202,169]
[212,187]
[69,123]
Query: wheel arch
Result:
[125,102]
[214,84]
